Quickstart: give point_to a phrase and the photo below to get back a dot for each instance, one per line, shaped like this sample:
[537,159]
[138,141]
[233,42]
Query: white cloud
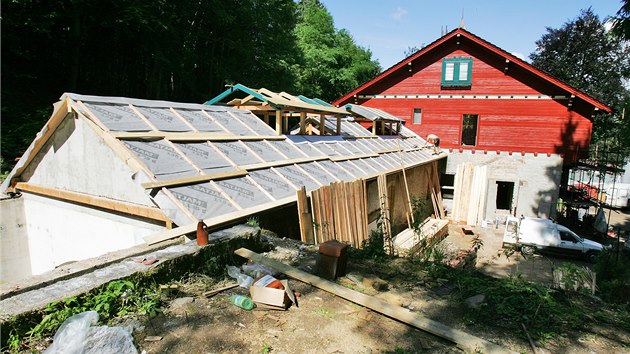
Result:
[399,13]
[519,55]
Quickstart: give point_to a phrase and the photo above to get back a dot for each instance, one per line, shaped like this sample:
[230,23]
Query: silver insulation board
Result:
[264,150]
[163,119]
[273,183]
[287,149]
[297,177]
[243,192]
[206,157]
[231,123]
[314,169]
[161,159]
[237,152]
[337,171]
[201,121]
[203,200]
[118,117]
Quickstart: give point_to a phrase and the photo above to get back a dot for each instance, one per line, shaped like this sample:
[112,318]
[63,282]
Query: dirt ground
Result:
[324,323]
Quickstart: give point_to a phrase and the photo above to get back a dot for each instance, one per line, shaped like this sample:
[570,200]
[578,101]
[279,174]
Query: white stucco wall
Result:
[15,260]
[77,159]
[536,179]
[60,232]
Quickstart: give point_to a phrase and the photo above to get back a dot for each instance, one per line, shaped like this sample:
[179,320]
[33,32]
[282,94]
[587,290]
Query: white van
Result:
[545,236]
[619,196]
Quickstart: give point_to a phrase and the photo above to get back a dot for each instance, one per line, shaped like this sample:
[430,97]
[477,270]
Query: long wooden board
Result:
[99,202]
[462,339]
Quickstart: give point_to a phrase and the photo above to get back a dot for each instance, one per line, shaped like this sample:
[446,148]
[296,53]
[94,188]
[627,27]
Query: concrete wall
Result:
[55,232]
[77,159]
[15,260]
[536,180]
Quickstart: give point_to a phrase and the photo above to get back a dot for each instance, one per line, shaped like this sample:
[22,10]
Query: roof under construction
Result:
[216,163]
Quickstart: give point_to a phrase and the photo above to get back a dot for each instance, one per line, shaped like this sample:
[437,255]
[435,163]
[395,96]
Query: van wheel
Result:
[527,250]
[591,257]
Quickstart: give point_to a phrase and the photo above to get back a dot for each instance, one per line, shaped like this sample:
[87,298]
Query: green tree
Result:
[333,63]
[621,22]
[180,50]
[584,55]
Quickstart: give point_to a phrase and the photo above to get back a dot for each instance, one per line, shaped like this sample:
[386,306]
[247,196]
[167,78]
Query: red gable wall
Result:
[519,124]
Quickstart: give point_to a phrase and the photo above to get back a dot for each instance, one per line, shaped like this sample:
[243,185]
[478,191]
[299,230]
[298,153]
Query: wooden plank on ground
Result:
[463,340]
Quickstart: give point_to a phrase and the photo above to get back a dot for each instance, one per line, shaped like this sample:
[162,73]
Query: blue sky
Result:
[388,28]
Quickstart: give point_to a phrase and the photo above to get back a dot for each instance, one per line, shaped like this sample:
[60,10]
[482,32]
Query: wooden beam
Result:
[279,122]
[302,123]
[352,157]
[61,110]
[190,136]
[194,179]
[322,124]
[94,201]
[462,339]
[258,166]
[215,221]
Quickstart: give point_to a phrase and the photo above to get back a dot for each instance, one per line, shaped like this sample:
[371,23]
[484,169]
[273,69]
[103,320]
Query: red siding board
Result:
[542,126]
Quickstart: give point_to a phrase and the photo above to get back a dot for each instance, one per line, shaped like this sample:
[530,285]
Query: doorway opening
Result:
[505,194]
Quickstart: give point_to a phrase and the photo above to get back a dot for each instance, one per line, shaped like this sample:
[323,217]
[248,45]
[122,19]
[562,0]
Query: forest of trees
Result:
[185,50]
[180,50]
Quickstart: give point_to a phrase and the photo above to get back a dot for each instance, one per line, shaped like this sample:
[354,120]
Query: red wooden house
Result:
[491,109]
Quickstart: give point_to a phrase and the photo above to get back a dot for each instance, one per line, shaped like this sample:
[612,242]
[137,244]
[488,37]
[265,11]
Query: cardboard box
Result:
[271,297]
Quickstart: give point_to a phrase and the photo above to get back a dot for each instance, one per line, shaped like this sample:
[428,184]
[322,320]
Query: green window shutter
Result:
[457,72]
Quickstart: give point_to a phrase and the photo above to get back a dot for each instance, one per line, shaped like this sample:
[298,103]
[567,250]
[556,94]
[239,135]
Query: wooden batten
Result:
[194,179]
[190,136]
[97,202]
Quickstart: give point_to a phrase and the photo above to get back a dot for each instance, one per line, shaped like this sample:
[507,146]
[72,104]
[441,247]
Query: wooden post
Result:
[266,117]
[279,122]
[305,218]
[463,340]
[404,173]
[322,124]
[302,123]
[374,127]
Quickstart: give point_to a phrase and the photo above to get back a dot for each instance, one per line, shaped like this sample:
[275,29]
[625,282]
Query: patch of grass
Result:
[324,312]
[266,348]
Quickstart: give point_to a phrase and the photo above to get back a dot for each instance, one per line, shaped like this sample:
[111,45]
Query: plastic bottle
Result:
[242,301]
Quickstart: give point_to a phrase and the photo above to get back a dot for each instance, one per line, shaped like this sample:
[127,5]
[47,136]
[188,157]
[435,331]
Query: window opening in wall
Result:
[447,183]
[505,193]
[457,73]
[469,129]
[417,116]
